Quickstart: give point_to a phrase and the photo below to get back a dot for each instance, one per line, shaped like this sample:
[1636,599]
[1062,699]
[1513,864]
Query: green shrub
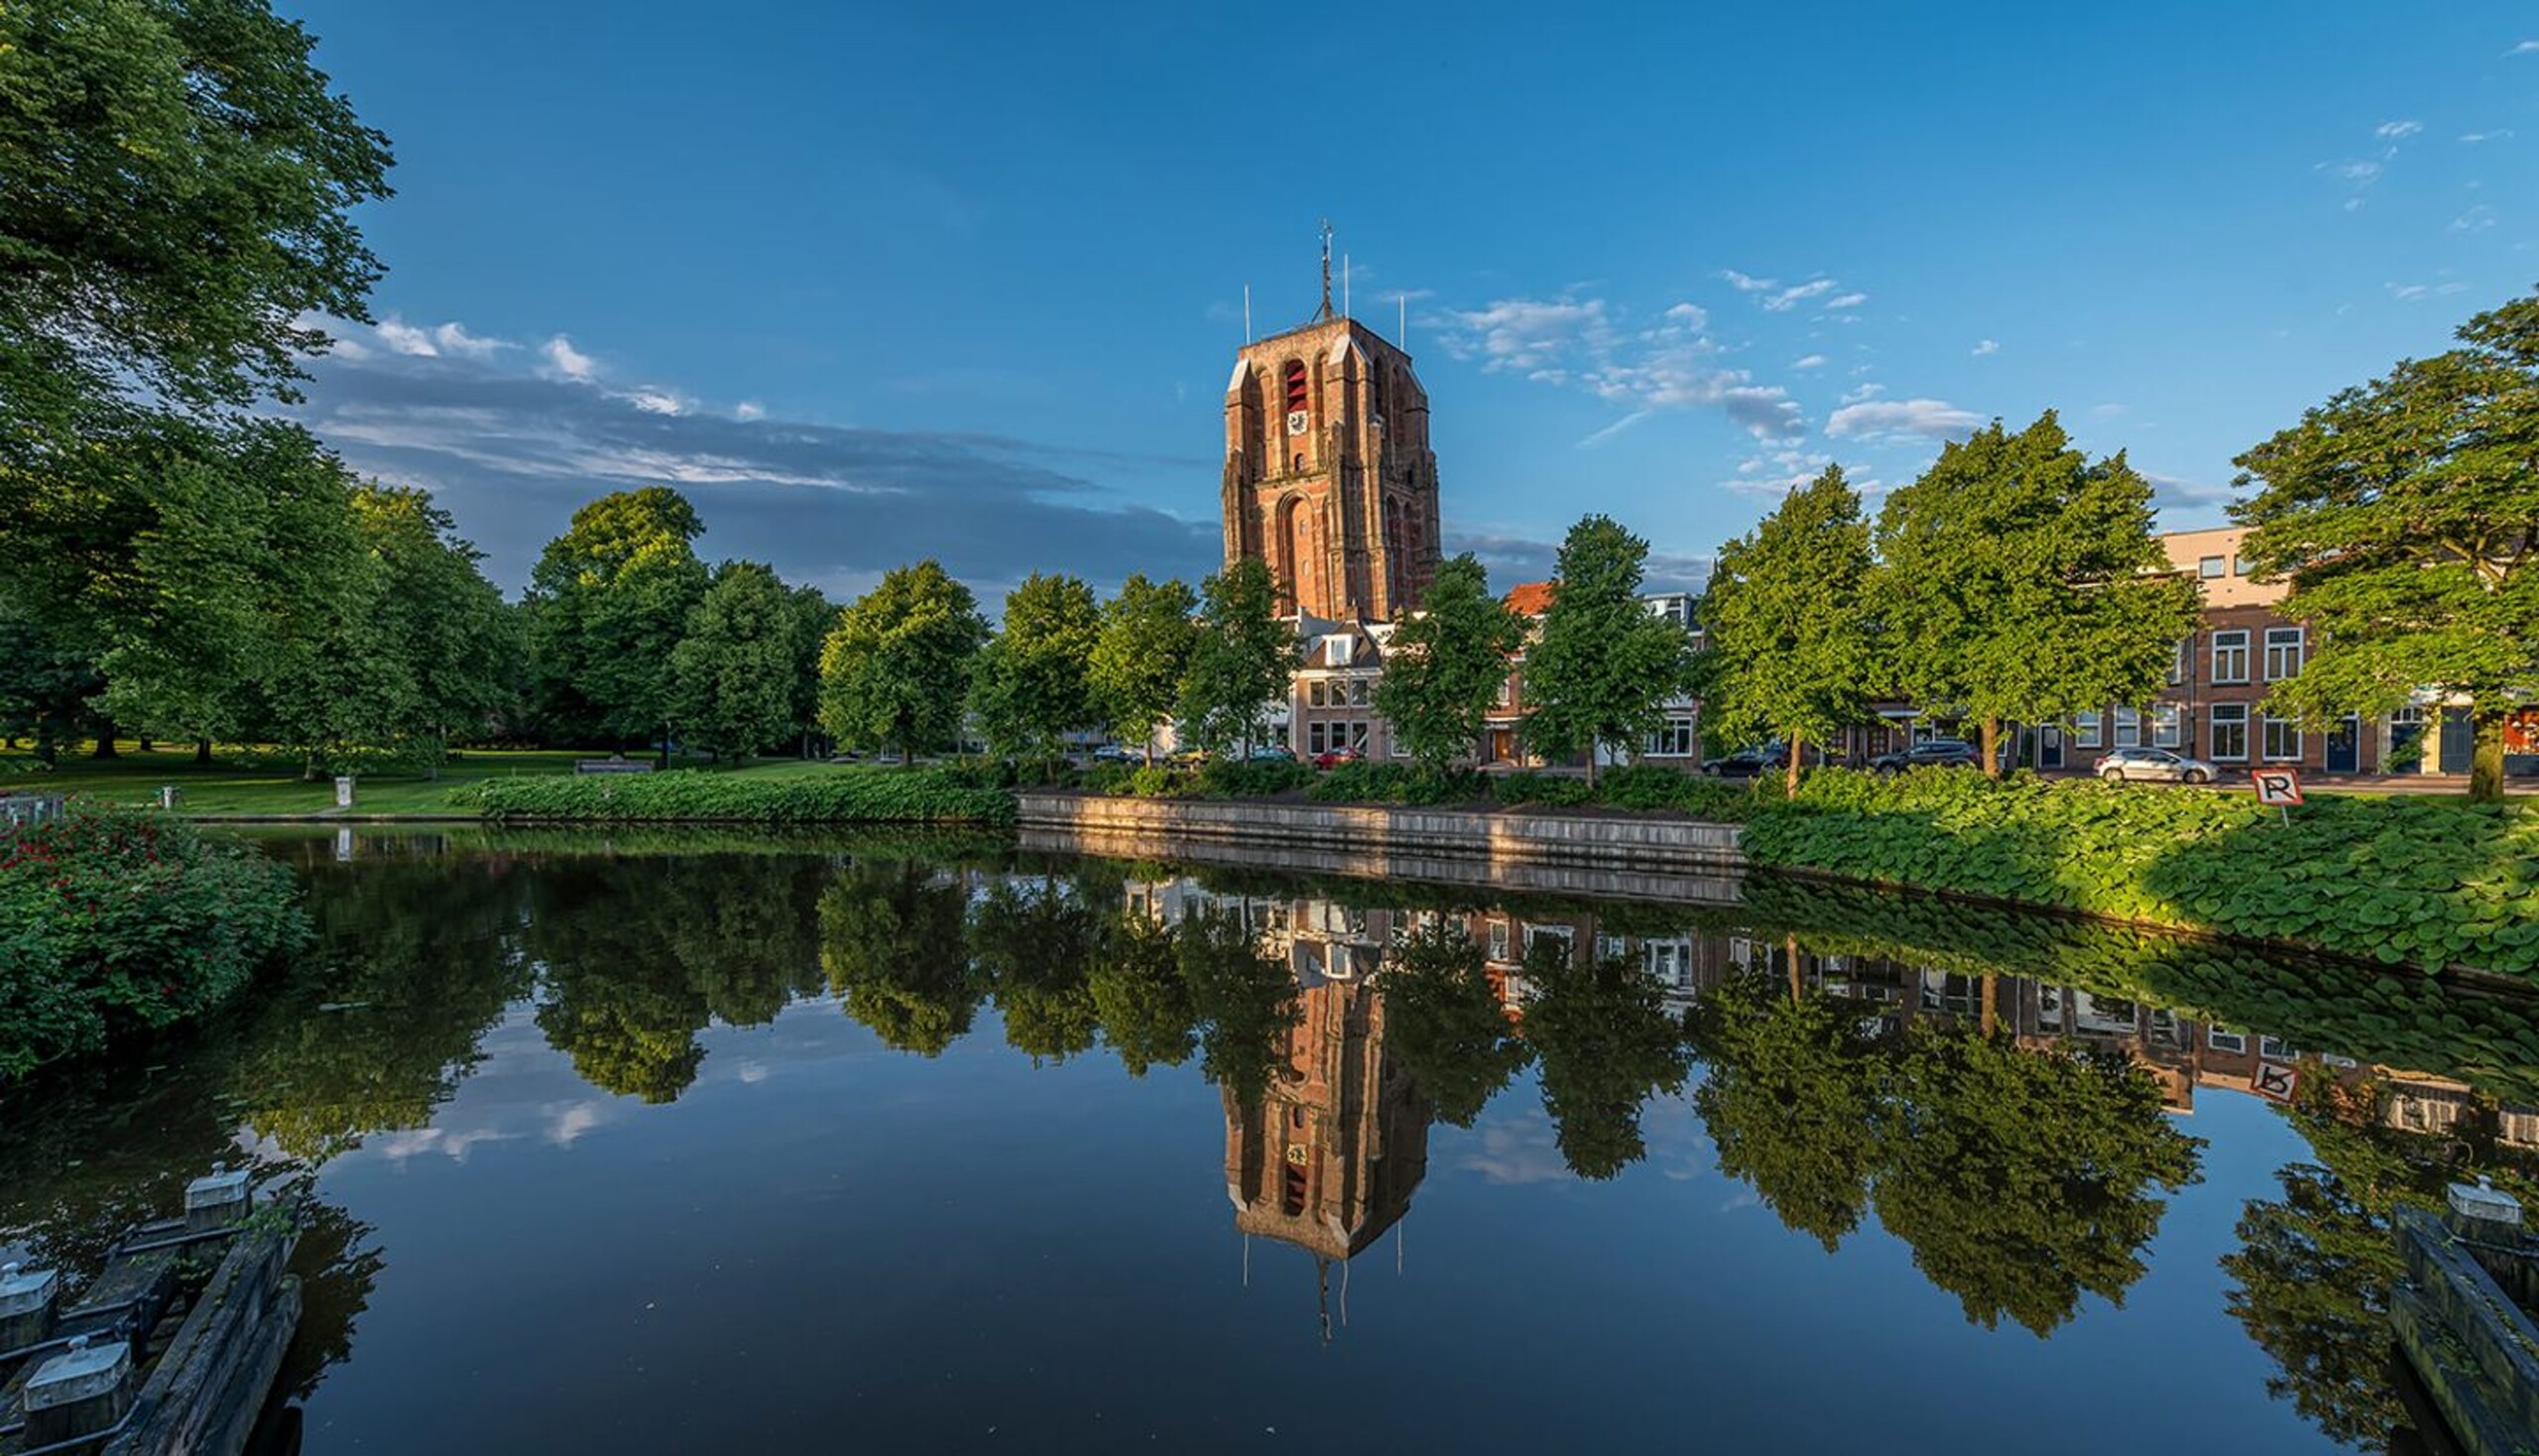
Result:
[1655,787]
[114,922]
[1156,781]
[2432,883]
[1403,783]
[1557,791]
[1255,778]
[837,795]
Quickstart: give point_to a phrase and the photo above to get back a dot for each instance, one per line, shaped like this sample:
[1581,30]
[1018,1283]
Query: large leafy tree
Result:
[1033,685]
[2019,581]
[1608,1045]
[1602,668]
[1444,664]
[1141,656]
[895,670]
[813,615]
[1243,662]
[733,687]
[2405,514]
[1787,627]
[608,601]
[458,640]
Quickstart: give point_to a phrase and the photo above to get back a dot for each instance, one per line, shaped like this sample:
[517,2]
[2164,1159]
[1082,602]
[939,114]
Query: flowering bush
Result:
[115,921]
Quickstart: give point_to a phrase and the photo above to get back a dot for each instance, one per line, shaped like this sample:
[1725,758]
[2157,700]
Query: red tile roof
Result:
[1530,598]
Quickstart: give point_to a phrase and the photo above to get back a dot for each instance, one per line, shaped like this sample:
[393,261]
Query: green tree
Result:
[1607,1044]
[1034,684]
[895,670]
[813,615]
[456,638]
[733,686]
[2019,581]
[1788,650]
[608,601]
[1444,1022]
[1446,664]
[1791,1101]
[1603,666]
[2405,514]
[1141,656]
[44,686]
[1242,661]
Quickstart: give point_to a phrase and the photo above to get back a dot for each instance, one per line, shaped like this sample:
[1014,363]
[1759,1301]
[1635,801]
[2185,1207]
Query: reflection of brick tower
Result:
[1329,1156]
[1328,473]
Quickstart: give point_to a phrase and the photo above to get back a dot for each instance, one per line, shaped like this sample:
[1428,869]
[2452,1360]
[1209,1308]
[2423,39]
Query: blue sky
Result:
[873,283]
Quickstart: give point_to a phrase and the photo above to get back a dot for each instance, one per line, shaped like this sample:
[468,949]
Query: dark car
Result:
[1746,763]
[1955,753]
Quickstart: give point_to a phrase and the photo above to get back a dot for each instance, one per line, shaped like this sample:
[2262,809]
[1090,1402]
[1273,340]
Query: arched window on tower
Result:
[1299,387]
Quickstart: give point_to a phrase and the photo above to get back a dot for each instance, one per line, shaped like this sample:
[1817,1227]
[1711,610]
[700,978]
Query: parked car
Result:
[1746,763]
[1334,758]
[1112,753]
[1955,753]
[2155,765]
[1273,753]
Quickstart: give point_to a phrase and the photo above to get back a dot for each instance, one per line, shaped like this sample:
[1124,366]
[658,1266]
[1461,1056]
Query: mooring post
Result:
[2483,1213]
[27,1300]
[216,1201]
[80,1392]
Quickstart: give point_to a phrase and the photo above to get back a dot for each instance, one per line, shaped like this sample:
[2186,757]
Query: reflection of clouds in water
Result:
[751,1071]
[560,1124]
[454,1144]
[573,1120]
[1520,1146]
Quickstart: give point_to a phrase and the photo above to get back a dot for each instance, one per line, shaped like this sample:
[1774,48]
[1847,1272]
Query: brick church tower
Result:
[1328,473]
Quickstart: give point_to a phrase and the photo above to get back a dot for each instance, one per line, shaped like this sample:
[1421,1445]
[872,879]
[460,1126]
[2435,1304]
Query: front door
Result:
[1502,745]
[2345,745]
[2407,743]
[2459,741]
[2049,746]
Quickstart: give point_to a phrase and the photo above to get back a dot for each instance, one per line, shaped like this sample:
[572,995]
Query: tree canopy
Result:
[895,670]
[608,603]
[1446,662]
[1241,662]
[1602,668]
[733,672]
[1141,656]
[2405,515]
[1034,684]
[1786,622]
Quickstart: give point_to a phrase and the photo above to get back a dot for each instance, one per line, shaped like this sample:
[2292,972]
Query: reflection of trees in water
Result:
[1246,999]
[2022,1177]
[338,1265]
[1445,1024]
[2311,1277]
[1034,941]
[1608,1045]
[1141,997]
[892,940]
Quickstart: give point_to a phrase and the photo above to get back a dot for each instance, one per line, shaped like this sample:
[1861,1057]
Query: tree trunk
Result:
[105,740]
[1797,749]
[144,743]
[203,753]
[1591,746]
[663,759]
[1990,1002]
[2485,761]
[1990,747]
[1797,993]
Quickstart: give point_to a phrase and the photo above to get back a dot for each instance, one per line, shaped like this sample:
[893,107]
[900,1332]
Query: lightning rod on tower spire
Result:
[1325,312]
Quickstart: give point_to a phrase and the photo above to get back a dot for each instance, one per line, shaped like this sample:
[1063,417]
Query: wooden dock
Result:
[2463,1321]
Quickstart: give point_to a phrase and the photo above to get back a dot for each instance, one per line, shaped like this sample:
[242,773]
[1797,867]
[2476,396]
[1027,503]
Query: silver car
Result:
[2156,764]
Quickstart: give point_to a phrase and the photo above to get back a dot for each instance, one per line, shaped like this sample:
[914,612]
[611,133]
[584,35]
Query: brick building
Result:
[1678,743]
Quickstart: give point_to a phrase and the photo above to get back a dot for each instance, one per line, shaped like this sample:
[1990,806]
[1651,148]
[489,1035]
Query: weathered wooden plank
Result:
[203,1396]
[2476,1351]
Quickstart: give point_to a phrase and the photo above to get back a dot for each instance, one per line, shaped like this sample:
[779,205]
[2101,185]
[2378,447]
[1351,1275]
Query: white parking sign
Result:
[2277,786]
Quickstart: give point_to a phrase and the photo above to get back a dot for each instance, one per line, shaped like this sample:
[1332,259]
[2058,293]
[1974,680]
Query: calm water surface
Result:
[696,1146]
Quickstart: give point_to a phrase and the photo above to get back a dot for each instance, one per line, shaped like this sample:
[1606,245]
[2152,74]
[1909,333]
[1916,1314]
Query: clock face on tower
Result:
[1298,421]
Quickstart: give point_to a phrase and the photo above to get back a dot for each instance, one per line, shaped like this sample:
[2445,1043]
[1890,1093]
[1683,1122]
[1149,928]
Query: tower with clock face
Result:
[1328,477]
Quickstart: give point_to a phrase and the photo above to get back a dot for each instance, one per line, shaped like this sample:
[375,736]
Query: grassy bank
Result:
[114,923]
[810,793]
[2431,883]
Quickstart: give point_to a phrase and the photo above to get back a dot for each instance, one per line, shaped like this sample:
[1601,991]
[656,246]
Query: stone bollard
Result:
[168,795]
[344,792]
[80,1392]
[2484,1213]
[26,1298]
[216,1200]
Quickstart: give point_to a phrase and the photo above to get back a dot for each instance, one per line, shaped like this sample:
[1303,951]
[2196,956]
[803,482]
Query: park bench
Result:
[612,765]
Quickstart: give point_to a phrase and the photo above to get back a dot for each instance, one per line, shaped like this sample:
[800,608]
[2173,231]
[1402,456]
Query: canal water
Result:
[699,1143]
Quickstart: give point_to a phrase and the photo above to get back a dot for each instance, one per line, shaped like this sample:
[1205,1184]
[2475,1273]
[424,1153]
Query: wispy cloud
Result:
[1842,302]
[2498,135]
[1890,419]
[2526,48]
[1670,363]
[2476,219]
[749,410]
[1987,346]
[2397,131]
[1791,297]
[1812,361]
[2360,174]
[566,362]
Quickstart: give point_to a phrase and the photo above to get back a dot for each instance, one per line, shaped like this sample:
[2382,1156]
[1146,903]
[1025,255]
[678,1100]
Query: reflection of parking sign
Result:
[2276,1081]
[2277,786]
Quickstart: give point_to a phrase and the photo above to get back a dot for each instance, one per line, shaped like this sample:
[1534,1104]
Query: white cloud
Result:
[1867,391]
[404,338]
[2476,219]
[1614,429]
[1844,300]
[2526,48]
[1691,316]
[1988,346]
[1584,344]
[453,338]
[654,401]
[1928,419]
[565,360]
[2498,135]
[2408,292]
[750,410]
[1791,297]
[1812,361]
[2397,131]
[1745,283]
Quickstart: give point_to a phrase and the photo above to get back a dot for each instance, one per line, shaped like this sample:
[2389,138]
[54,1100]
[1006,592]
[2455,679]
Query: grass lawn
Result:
[259,784]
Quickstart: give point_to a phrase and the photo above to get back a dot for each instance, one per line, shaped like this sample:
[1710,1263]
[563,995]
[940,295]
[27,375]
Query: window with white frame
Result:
[1507,690]
[2168,725]
[1498,940]
[2240,566]
[1674,741]
[2283,653]
[2231,656]
[2087,730]
[2221,1040]
[2230,732]
[1669,961]
[1358,692]
[2177,661]
[2210,567]
[2128,728]
[1315,742]
[1537,936]
[1611,948]
[1318,693]
[2282,739]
